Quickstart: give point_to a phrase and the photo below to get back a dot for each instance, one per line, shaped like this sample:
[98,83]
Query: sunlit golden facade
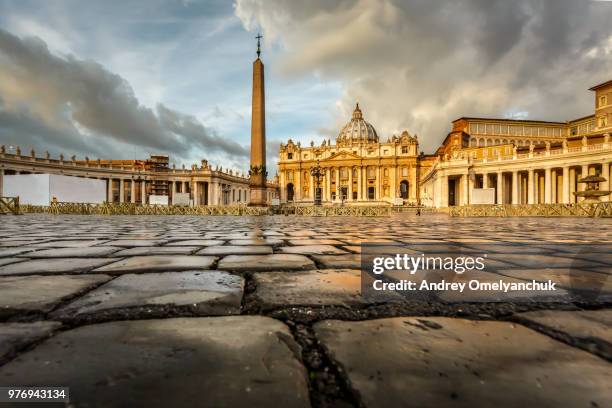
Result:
[357,169]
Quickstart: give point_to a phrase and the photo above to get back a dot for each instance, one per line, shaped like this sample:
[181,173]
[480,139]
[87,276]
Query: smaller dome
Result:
[358,130]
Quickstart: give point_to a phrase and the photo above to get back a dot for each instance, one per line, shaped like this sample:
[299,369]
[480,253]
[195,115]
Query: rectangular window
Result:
[603,101]
[289,156]
[404,149]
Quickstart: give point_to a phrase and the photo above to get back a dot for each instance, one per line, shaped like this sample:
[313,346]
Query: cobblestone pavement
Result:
[262,311]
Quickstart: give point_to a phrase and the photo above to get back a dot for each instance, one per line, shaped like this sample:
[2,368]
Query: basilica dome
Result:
[358,130]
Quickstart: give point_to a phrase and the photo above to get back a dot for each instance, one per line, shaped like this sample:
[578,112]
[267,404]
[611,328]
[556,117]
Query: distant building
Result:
[525,162]
[133,181]
[358,168]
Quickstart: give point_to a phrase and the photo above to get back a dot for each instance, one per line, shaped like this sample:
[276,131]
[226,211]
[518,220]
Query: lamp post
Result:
[316,173]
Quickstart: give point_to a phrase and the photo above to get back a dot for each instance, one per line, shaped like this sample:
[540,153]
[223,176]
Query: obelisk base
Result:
[259,197]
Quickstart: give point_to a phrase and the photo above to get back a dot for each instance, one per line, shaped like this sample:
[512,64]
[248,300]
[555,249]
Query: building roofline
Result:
[510,120]
[596,87]
[582,118]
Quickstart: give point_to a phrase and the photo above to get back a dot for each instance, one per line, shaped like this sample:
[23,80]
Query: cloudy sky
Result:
[125,79]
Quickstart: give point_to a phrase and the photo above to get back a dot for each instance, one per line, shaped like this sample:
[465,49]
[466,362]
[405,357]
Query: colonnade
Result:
[533,185]
[351,184]
[124,190]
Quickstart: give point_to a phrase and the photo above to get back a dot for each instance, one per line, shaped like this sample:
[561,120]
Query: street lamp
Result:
[316,172]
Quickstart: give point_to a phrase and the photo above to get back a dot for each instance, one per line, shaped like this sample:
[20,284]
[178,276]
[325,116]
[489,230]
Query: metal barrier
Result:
[9,205]
[335,211]
[235,210]
[601,209]
[135,209]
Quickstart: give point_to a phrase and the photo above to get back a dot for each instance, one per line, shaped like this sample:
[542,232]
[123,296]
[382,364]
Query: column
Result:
[211,193]
[1,182]
[337,183]
[132,191]
[298,186]
[465,188]
[437,193]
[109,190]
[312,188]
[500,187]
[547,185]
[470,182]
[196,198]
[554,189]
[485,180]
[377,195]
[283,187]
[350,184]
[566,185]
[326,186]
[584,171]
[393,183]
[572,189]
[515,189]
[121,191]
[530,187]
[605,173]
[444,191]
[143,192]
[360,183]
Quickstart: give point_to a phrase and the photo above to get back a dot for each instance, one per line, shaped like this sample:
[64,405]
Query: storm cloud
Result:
[419,64]
[62,103]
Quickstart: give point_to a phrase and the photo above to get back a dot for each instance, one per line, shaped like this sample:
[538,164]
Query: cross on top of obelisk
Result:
[259,37]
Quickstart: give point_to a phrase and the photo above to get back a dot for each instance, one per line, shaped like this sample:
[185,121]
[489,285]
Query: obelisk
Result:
[257,170]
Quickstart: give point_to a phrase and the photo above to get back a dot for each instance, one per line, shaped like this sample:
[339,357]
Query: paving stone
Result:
[581,324]
[4,252]
[256,241]
[68,243]
[165,250]
[358,241]
[129,243]
[235,250]
[15,243]
[6,261]
[14,336]
[348,261]
[26,294]
[340,287]
[271,262]
[299,242]
[196,242]
[444,362]
[312,249]
[70,252]
[54,265]
[237,361]
[158,263]
[205,293]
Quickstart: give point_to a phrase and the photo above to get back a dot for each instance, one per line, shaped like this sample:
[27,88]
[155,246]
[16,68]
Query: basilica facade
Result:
[358,168]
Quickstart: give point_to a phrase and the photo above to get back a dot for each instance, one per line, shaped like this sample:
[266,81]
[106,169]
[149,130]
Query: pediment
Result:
[344,156]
